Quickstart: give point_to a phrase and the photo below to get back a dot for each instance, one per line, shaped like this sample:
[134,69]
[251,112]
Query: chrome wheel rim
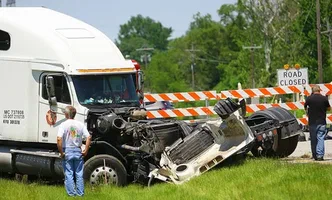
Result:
[103,176]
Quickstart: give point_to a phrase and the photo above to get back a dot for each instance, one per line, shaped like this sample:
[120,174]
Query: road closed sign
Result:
[293,77]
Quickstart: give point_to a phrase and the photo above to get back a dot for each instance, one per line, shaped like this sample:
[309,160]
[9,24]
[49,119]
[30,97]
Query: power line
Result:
[145,59]
[192,52]
[145,55]
[252,49]
[211,60]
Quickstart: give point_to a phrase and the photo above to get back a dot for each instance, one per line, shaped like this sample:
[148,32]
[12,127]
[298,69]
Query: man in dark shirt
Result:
[318,105]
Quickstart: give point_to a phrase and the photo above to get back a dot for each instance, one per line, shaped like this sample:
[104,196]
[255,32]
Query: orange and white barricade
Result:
[181,112]
[181,96]
[234,94]
[304,120]
[268,92]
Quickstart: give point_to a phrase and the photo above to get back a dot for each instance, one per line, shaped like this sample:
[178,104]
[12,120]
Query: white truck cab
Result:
[48,61]
[85,66]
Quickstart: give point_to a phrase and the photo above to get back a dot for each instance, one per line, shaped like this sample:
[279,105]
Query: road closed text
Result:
[293,77]
[293,82]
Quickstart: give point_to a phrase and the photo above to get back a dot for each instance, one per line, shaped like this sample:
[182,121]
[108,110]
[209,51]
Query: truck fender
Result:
[102,147]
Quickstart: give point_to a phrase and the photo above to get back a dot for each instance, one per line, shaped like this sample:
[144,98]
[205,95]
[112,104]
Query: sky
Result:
[108,15]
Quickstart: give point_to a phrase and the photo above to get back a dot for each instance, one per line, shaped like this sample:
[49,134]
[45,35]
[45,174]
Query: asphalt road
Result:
[303,149]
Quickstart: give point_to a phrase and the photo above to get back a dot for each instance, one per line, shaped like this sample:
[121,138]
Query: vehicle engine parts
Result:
[105,124]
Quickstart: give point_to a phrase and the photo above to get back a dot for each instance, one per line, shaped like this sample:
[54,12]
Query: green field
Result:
[250,179]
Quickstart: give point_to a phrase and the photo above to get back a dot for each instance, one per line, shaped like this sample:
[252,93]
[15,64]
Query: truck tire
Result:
[280,147]
[105,169]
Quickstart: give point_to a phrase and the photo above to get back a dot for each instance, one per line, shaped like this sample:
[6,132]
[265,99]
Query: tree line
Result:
[249,42]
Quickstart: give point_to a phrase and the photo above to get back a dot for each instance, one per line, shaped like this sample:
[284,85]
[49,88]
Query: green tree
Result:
[270,19]
[167,69]
[141,32]
[305,30]
[174,66]
[236,35]
[285,29]
[205,36]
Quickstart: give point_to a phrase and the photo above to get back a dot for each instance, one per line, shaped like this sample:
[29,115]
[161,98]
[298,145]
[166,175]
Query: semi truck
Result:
[49,60]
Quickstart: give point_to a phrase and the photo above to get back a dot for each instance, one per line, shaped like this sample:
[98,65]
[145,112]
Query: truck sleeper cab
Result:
[48,61]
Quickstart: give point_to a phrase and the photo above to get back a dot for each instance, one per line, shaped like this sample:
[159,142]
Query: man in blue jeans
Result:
[69,142]
[316,106]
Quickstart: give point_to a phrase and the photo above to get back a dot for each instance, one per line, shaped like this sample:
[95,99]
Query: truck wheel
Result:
[105,169]
[280,147]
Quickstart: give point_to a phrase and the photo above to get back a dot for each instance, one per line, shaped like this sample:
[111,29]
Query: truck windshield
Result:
[105,89]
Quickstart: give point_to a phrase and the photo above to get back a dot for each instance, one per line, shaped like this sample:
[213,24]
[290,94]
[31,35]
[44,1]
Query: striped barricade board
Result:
[203,111]
[181,112]
[181,96]
[268,92]
[236,94]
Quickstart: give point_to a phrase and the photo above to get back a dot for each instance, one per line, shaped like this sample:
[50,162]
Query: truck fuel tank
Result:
[37,162]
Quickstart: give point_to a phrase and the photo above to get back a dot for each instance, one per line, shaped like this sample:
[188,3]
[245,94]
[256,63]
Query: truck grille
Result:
[191,146]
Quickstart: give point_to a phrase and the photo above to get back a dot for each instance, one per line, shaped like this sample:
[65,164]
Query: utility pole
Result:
[319,47]
[192,52]
[252,49]
[145,55]
[329,34]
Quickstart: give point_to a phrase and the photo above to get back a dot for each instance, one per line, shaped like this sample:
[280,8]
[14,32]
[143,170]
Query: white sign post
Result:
[293,77]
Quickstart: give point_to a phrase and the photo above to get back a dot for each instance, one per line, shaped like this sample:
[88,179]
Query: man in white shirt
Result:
[69,142]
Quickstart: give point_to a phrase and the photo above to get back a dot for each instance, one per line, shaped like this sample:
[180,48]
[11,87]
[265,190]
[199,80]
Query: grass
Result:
[251,179]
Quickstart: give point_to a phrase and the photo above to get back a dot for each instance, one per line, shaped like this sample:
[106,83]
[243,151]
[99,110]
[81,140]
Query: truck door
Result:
[50,119]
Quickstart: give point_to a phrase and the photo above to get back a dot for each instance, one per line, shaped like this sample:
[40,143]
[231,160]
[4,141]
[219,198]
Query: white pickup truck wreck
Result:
[49,60]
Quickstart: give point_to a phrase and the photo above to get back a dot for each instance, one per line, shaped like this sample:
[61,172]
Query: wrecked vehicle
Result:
[174,151]
[75,64]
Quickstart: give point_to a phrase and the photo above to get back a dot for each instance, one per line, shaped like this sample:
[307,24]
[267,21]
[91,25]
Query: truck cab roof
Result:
[39,34]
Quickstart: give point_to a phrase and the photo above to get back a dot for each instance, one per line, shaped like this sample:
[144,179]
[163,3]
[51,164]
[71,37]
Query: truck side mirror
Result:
[50,88]
[140,85]
[243,107]
[140,81]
